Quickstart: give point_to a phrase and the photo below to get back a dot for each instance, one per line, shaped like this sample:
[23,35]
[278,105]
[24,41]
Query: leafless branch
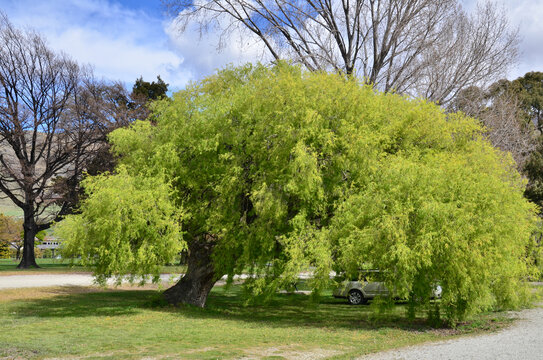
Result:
[54,120]
[429,48]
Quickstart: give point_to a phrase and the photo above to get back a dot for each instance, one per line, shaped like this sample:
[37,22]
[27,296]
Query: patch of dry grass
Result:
[23,294]
[8,295]
[288,352]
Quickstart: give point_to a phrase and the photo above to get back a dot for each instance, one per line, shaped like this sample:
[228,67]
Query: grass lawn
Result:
[92,323]
[62,266]
[9,267]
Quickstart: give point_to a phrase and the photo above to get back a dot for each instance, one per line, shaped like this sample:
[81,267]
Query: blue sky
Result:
[126,39]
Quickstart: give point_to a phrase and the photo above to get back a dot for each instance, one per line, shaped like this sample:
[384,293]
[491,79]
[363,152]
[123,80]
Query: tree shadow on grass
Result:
[76,301]
[298,310]
[284,310]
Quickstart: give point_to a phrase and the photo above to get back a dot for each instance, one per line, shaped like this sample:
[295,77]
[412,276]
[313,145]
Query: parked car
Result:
[360,291]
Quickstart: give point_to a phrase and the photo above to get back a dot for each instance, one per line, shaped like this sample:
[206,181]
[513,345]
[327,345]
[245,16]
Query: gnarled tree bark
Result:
[195,285]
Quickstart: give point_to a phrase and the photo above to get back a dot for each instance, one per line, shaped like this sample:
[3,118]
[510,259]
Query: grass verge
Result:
[57,266]
[62,266]
[94,323]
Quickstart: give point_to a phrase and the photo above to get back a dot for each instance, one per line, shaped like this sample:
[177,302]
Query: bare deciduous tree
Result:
[507,131]
[429,48]
[94,110]
[52,125]
[500,112]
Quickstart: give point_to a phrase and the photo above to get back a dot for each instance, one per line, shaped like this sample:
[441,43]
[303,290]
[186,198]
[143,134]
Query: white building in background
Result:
[50,243]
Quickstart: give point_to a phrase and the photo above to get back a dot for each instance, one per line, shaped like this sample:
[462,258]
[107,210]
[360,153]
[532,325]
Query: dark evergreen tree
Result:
[150,90]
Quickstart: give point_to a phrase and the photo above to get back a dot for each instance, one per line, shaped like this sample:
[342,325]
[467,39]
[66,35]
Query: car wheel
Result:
[356,298]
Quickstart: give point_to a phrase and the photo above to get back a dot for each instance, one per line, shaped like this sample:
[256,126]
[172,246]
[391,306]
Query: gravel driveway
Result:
[522,341]
[26,281]
[42,280]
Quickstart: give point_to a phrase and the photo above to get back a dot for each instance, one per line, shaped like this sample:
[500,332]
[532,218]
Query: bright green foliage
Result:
[291,170]
[448,218]
[127,226]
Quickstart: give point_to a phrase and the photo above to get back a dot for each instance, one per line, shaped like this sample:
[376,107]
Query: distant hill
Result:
[8,208]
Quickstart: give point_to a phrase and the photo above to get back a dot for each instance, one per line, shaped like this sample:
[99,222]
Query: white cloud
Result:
[203,57]
[120,43]
[123,43]
[527,15]
[206,52]
[117,57]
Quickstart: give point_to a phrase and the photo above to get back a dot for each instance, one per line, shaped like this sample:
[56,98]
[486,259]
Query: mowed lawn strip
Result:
[52,266]
[128,324]
[62,266]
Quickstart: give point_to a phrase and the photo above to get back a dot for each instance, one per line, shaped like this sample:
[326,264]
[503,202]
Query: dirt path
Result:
[522,341]
[26,281]
[47,280]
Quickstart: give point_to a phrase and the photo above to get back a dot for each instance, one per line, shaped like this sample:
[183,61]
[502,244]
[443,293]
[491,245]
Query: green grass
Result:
[46,265]
[7,207]
[9,267]
[124,324]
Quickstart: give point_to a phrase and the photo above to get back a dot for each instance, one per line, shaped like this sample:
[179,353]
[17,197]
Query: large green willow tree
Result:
[277,170]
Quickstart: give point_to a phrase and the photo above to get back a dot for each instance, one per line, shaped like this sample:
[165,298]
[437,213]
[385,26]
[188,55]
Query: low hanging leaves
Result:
[292,171]
[127,226]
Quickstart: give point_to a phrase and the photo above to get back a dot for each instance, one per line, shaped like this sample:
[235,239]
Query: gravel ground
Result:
[26,281]
[522,341]
[42,280]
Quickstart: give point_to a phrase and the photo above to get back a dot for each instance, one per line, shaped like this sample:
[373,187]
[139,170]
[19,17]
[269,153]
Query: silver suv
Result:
[359,292]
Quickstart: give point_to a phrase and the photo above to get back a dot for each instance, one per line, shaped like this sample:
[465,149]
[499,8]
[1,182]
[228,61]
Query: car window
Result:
[363,276]
[372,276]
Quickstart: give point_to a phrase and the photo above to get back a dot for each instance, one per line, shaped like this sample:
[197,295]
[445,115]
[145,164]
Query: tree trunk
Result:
[30,231]
[194,287]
